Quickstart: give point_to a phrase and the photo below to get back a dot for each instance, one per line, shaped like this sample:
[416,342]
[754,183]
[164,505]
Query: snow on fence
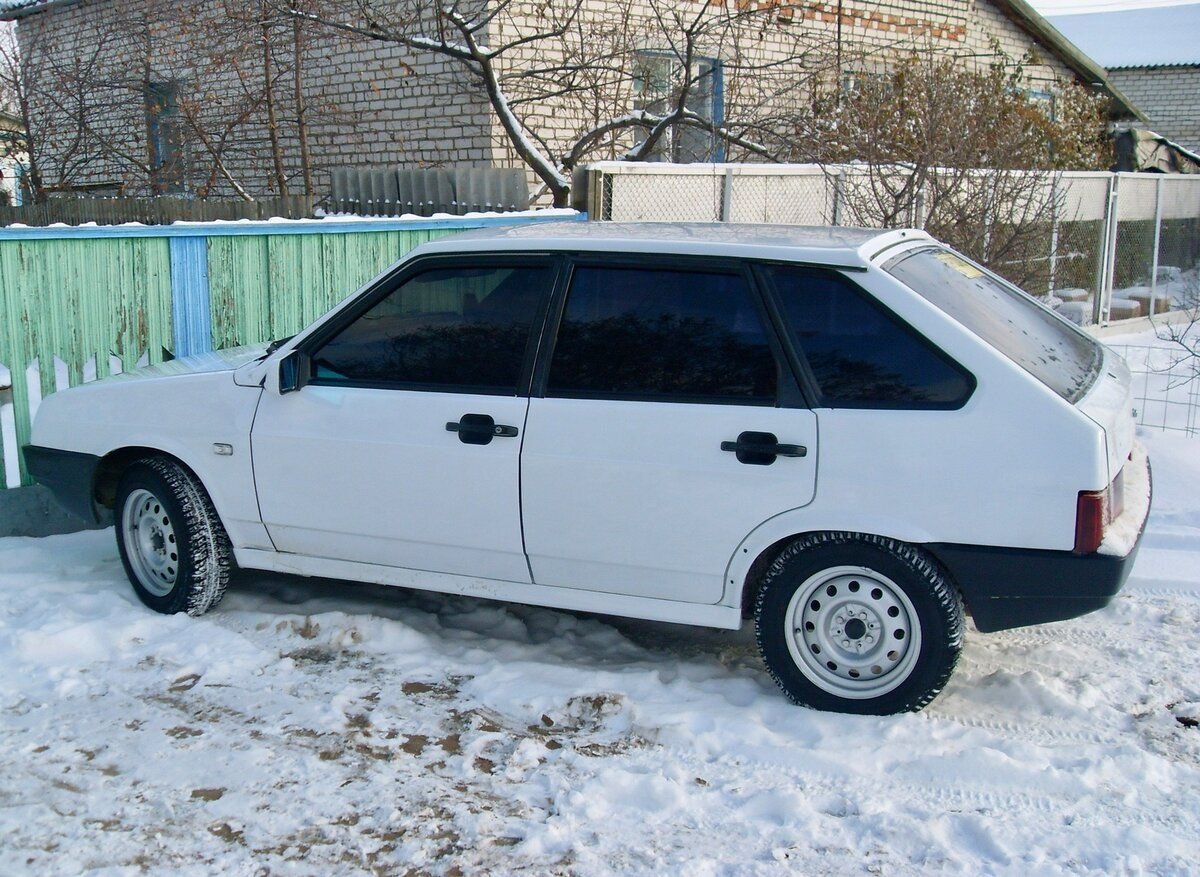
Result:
[1110,246]
[78,304]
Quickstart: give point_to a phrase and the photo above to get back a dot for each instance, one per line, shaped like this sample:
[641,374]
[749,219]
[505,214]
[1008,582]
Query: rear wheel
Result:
[858,624]
[172,544]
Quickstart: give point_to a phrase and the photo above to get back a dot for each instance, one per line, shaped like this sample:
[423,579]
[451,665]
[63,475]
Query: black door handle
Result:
[761,448]
[479,429]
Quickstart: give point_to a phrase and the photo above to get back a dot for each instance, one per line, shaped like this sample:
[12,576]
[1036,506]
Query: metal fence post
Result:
[727,195]
[838,195]
[1054,205]
[1108,256]
[1158,213]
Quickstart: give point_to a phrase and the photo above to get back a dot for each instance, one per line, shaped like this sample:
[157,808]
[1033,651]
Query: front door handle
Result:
[479,429]
[761,448]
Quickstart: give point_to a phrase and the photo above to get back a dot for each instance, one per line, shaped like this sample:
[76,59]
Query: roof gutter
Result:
[33,8]
[1033,23]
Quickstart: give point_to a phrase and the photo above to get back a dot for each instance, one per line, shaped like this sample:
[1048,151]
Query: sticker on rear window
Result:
[966,269]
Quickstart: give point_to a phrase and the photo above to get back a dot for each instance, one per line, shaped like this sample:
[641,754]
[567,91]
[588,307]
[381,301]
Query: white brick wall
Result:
[378,103]
[1170,98]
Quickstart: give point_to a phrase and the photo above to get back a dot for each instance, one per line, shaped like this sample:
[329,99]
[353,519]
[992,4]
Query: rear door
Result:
[663,429]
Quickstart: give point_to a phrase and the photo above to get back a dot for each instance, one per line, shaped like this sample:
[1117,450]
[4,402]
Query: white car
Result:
[849,435]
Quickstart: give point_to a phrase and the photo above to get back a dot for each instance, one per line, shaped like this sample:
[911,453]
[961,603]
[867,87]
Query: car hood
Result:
[204,363]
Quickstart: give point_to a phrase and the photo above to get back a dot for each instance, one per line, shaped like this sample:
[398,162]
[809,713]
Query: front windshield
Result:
[1062,357]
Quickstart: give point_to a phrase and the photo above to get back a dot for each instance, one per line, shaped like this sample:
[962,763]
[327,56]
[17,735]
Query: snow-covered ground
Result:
[320,728]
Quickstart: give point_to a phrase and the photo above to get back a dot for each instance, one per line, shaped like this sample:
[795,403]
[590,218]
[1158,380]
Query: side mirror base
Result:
[294,372]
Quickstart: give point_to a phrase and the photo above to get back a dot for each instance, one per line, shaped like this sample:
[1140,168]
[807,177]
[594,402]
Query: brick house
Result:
[167,118]
[1153,56]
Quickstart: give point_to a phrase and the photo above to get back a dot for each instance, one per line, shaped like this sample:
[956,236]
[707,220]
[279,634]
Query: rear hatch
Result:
[1109,402]
[1056,352]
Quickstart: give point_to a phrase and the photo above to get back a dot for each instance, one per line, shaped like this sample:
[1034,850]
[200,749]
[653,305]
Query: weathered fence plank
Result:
[83,295]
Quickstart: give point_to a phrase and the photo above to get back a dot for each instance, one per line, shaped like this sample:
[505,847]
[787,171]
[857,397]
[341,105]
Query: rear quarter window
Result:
[858,353]
[1060,356]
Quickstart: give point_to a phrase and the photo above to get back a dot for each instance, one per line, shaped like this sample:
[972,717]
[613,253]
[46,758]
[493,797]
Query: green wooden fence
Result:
[74,300]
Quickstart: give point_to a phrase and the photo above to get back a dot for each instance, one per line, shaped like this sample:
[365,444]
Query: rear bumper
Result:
[69,475]
[1012,587]
[1015,587]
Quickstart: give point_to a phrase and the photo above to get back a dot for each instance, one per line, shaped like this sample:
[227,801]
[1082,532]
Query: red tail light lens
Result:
[1091,514]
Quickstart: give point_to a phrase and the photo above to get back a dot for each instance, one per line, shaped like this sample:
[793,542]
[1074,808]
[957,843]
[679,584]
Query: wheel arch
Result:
[754,556]
[114,464]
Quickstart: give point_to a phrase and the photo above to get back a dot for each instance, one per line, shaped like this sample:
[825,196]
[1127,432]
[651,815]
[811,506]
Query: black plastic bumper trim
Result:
[69,475]
[1016,587]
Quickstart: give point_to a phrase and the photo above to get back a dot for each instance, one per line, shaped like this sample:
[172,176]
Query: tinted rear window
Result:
[1058,355]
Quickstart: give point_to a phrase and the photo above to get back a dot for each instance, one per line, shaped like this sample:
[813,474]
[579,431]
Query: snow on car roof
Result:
[816,243]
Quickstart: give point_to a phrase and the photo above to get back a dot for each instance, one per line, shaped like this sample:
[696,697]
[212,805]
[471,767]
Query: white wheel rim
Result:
[150,542]
[853,632]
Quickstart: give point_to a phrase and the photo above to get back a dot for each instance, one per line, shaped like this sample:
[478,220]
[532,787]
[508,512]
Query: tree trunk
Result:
[269,94]
[301,105]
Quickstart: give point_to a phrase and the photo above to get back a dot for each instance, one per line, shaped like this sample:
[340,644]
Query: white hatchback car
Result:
[848,435]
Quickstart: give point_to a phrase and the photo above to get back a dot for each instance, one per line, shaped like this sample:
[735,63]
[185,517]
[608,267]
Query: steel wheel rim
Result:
[150,542]
[853,632]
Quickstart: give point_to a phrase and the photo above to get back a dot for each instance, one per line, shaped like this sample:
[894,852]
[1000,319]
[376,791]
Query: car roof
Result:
[832,245]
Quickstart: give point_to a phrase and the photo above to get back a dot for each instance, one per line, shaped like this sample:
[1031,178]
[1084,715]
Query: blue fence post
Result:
[191,316]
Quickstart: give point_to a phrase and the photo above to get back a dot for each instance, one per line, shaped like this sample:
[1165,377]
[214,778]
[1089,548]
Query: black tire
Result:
[172,544]
[853,623]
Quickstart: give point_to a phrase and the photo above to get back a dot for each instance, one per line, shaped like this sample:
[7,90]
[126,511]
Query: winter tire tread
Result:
[204,577]
[943,641]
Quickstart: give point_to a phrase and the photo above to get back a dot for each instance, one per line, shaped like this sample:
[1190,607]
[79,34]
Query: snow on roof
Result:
[10,9]
[1154,37]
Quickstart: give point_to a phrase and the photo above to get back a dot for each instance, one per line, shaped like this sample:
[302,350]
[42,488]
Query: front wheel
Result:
[858,624]
[172,544]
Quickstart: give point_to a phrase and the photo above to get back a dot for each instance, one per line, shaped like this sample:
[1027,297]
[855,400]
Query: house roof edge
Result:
[1030,20]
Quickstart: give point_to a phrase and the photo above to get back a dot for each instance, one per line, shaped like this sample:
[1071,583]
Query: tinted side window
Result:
[453,327]
[640,333]
[860,354]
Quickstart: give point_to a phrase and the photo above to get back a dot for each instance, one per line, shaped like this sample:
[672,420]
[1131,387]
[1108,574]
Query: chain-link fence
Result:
[1166,387]
[1099,247]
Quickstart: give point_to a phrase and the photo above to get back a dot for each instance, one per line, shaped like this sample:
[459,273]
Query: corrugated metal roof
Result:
[1155,37]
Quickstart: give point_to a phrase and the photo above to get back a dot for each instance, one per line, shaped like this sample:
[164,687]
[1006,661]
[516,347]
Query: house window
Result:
[863,83]
[1043,99]
[164,130]
[659,78]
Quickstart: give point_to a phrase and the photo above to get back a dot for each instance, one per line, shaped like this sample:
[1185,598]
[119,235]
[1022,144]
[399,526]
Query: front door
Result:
[403,447]
[664,435]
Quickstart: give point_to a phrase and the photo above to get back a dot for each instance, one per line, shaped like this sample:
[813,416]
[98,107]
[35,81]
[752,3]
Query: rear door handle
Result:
[479,429]
[761,448]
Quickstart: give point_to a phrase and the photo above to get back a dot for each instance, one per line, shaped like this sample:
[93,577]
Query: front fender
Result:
[184,416]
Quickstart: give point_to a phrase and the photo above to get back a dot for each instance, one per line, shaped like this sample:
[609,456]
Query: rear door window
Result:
[662,335]
[859,354]
[1060,356]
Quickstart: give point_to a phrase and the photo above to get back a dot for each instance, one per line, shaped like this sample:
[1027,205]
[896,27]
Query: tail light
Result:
[1091,516]
[1095,510]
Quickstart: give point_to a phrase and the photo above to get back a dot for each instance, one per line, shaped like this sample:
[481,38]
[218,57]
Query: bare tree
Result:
[1181,334]
[564,79]
[965,153]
